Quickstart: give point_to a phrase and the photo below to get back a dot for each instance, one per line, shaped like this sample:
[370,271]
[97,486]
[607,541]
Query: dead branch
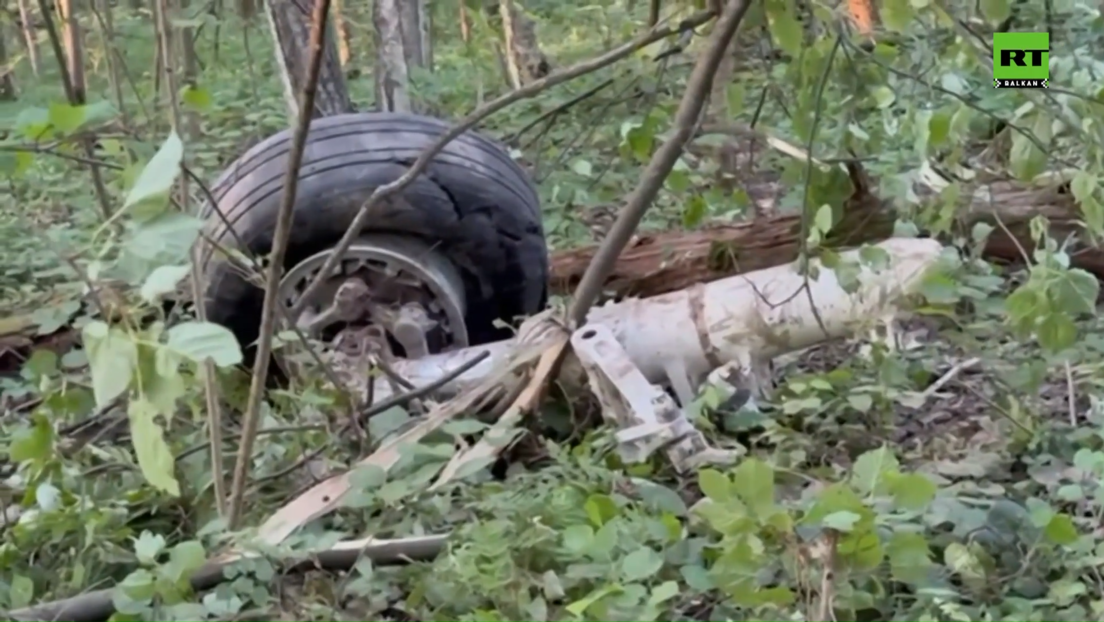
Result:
[272,281]
[387,190]
[98,605]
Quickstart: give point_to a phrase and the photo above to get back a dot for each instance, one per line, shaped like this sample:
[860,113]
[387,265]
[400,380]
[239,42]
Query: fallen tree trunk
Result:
[668,261]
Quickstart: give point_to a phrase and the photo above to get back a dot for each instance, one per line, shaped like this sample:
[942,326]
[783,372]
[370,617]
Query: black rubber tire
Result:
[475,203]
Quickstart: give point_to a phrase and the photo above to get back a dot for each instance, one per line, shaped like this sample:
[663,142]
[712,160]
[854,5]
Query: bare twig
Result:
[276,261]
[528,91]
[1071,395]
[949,376]
[825,611]
[399,400]
[686,118]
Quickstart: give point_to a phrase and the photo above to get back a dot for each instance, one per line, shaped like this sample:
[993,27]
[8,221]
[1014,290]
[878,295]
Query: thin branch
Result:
[207,369]
[467,123]
[275,268]
[98,605]
[651,180]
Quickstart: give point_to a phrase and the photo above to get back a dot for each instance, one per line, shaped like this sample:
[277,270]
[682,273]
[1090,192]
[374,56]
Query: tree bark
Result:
[7,80]
[525,62]
[290,24]
[465,22]
[392,77]
[344,33]
[414,22]
[74,52]
[27,25]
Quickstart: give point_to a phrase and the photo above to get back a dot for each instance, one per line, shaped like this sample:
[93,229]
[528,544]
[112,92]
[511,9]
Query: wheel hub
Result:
[388,291]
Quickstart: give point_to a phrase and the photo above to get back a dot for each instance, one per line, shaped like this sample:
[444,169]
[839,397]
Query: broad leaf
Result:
[200,341]
[155,459]
[112,358]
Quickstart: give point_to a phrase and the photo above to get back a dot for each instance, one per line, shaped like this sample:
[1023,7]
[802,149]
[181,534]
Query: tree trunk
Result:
[465,22]
[414,21]
[392,77]
[7,80]
[190,66]
[344,33]
[290,21]
[74,52]
[524,60]
[669,261]
[247,9]
[27,24]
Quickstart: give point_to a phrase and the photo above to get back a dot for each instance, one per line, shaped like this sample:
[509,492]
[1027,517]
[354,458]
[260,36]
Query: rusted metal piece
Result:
[647,417]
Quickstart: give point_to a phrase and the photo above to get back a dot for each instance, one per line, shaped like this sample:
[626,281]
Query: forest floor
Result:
[956,478]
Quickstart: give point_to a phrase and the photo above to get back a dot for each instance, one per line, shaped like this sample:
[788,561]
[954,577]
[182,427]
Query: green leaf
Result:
[66,118]
[148,546]
[753,482]
[578,538]
[162,240]
[842,520]
[22,592]
[157,178]
[1026,159]
[694,212]
[996,11]
[883,97]
[186,558]
[1093,213]
[1075,292]
[664,592]
[939,127]
[200,341]
[715,485]
[909,557]
[835,498]
[959,559]
[155,459]
[641,564]
[582,167]
[368,477]
[912,491]
[869,471]
[784,27]
[579,607]
[15,163]
[112,358]
[196,98]
[161,382]
[861,402]
[34,442]
[1061,530]
[896,15]
[735,93]
[163,280]
[1056,332]
[823,220]
[600,509]
[463,427]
